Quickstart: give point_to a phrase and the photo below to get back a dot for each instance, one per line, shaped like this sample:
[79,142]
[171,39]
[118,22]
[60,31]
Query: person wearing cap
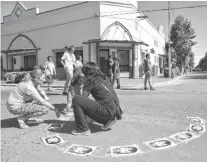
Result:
[20,101]
[148,72]
[68,61]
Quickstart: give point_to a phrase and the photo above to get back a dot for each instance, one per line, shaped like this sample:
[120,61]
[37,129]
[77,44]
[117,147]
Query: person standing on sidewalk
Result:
[50,71]
[76,82]
[116,72]
[68,62]
[110,63]
[148,72]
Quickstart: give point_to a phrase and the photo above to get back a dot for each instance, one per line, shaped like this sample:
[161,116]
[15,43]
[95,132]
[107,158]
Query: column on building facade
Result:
[93,53]
[130,63]
[135,65]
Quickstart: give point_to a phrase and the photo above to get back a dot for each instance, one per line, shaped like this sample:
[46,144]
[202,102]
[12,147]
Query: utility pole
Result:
[169,51]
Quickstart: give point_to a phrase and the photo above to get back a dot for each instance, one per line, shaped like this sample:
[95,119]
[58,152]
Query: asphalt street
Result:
[148,115]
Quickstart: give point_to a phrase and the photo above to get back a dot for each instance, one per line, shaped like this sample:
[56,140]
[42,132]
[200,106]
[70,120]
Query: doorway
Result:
[29,62]
[104,55]
[123,58]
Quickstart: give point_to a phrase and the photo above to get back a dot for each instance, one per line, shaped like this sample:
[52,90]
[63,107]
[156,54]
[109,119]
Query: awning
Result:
[20,50]
[115,41]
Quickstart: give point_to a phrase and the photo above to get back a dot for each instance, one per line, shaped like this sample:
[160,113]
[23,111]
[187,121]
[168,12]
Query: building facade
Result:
[95,28]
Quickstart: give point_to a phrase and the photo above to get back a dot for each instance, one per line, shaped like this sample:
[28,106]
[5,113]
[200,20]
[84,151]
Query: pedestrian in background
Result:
[110,63]
[68,62]
[76,85]
[148,73]
[116,72]
[50,71]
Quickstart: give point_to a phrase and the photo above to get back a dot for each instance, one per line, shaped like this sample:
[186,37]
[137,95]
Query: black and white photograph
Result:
[121,74]
[196,120]
[54,127]
[126,150]
[184,137]
[159,144]
[52,140]
[197,128]
[80,150]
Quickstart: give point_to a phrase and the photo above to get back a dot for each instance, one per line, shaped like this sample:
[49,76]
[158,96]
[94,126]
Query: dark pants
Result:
[84,106]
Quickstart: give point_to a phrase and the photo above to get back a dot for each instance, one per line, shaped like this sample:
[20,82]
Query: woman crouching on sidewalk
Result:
[20,99]
[104,109]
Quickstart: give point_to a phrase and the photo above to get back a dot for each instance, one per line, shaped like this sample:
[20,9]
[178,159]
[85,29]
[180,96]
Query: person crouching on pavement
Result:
[148,72]
[20,101]
[105,106]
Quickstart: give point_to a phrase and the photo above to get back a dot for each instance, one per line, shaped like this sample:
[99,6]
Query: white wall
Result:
[145,31]
[59,36]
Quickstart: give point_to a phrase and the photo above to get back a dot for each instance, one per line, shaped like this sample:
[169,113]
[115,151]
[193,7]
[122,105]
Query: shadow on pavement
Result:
[9,123]
[196,77]
[70,126]
[60,107]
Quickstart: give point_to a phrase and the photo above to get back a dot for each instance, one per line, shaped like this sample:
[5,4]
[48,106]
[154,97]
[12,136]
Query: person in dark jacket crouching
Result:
[104,109]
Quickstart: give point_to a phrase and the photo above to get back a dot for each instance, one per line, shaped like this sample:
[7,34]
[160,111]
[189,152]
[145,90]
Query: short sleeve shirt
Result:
[69,60]
[23,92]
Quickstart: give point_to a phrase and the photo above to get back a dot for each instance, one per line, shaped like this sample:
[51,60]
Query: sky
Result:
[197,16]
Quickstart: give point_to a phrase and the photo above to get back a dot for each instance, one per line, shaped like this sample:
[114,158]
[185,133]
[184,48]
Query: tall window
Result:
[60,54]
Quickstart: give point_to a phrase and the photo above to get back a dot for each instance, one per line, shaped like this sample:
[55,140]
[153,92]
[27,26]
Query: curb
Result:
[137,87]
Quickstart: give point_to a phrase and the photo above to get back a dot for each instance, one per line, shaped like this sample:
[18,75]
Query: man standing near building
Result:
[68,62]
[148,72]
[110,62]
[116,72]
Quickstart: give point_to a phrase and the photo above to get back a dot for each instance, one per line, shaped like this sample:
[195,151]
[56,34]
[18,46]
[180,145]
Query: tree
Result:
[203,62]
[181,36]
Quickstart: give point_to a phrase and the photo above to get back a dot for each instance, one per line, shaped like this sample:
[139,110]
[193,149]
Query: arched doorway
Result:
[21,54]
[117,32]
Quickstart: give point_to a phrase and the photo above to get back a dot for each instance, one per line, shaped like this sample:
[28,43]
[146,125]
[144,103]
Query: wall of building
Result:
[140,30]
[48,39]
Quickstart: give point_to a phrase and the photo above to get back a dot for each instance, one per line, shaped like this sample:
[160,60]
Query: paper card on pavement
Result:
[126,150]
[80,150]
[159,144]
[52,140]
[197,128]
[183,137]
[54,127]
[196,120]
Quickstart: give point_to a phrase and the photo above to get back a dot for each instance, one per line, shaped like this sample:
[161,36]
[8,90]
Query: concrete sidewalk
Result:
[126,83]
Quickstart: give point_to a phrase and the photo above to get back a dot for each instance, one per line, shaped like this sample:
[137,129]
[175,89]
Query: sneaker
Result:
[65,93]
[151,88]
[86,133]
[146,88]
[21,123]
[108,124]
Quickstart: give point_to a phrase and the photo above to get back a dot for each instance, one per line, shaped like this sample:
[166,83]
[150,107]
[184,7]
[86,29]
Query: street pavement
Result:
[148,115]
